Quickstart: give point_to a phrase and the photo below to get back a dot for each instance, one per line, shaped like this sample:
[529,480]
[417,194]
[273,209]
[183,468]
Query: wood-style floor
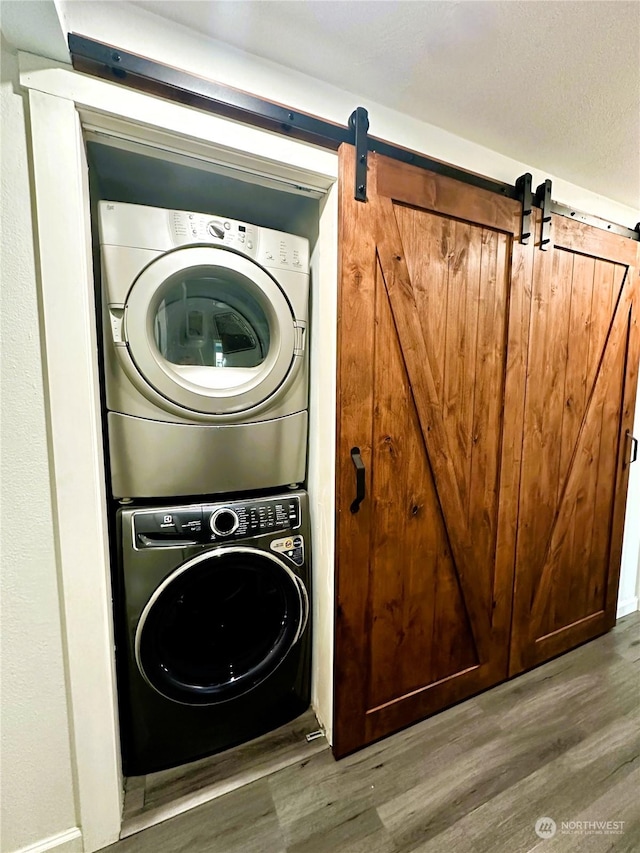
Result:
[561,742]
[154,798]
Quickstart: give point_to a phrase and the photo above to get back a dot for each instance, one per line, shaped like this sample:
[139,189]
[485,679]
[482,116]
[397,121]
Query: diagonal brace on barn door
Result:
[615,340]
[429,410]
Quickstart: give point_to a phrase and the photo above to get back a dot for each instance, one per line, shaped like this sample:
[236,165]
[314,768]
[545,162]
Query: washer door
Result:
[219,625]
[209,330]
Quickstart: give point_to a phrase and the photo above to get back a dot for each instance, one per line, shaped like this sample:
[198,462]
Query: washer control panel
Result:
[181,526]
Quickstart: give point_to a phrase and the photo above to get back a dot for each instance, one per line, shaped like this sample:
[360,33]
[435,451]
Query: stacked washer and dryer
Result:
[206,387]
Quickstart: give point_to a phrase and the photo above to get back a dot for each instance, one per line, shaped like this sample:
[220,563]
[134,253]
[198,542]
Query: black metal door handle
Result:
[634,447]
[360,474]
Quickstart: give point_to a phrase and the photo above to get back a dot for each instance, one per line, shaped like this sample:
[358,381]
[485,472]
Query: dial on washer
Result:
[224,522]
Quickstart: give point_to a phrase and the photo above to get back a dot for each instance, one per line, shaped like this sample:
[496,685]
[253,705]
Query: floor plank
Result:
[243,821]
[167,793]
[561,741]
[557,789]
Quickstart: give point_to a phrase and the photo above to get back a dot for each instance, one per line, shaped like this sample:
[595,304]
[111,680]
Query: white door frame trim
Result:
[60,102]
[63,240]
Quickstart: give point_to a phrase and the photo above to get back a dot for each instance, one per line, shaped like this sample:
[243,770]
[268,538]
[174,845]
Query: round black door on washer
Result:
[209,330]
[220,625]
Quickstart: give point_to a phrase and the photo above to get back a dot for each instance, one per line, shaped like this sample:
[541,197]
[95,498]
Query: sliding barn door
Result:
[433,324]
[580,392]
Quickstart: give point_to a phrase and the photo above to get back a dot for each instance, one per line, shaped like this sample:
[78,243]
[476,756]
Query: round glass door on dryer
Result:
[210,333]
[205,352]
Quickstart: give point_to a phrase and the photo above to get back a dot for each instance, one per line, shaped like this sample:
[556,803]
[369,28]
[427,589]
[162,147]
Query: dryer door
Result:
[210,331]
[219,625]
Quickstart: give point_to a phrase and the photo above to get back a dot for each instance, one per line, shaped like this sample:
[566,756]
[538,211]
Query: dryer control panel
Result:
[272,249]
[220,522]
[141,227]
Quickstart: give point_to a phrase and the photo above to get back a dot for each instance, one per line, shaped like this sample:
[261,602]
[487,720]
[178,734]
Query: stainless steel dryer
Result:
[206,368]
[212,620]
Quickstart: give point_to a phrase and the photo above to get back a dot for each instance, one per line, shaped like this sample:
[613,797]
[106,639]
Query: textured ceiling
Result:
[553,84]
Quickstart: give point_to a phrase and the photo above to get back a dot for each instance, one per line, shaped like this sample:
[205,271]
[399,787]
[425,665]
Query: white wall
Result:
[37,782]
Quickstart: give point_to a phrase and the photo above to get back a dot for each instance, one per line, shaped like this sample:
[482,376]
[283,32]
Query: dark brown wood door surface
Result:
[433,324]
[580,392]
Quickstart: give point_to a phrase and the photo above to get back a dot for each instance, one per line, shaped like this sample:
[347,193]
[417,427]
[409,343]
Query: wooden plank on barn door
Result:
[433,324]
[580,393]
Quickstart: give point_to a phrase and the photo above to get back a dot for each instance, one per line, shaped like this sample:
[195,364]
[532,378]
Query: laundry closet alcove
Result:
[66,109]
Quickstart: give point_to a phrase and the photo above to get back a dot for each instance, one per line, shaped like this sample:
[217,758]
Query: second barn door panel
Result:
[580,392]
[433,326]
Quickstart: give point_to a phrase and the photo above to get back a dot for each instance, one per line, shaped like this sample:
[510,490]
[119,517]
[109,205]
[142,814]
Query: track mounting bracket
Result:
[543,198]
[523,189]
[359,123]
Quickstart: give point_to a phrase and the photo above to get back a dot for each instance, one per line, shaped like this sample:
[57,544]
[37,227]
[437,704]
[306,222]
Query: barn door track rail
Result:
[147,75]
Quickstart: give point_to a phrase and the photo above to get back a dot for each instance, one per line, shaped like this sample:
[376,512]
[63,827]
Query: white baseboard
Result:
[629,605]
[64,842]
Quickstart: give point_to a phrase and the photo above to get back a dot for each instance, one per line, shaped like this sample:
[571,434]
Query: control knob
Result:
[215,229]
[224,521]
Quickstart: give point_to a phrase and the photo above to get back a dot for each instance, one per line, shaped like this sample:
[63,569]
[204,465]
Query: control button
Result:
[269,256]
[215,230]
[224,521]
[249,244]
[227,225]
